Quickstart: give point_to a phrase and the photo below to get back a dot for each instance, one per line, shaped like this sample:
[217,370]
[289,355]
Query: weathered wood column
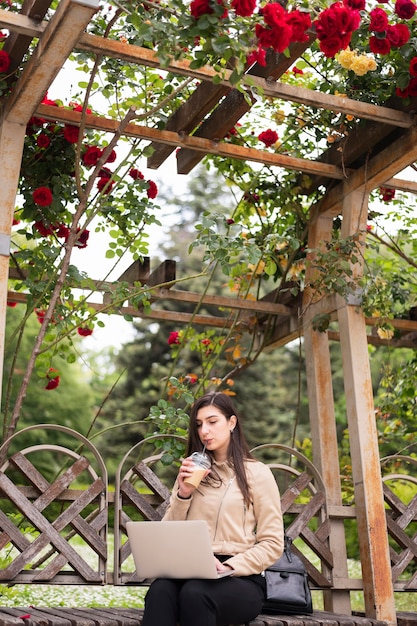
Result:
[12,137]
[369,501]
[322,417]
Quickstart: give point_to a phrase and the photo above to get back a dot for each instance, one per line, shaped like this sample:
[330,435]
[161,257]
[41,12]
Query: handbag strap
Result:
[287,547]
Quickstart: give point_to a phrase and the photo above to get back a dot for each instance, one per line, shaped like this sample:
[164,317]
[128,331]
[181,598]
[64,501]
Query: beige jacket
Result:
[254,535]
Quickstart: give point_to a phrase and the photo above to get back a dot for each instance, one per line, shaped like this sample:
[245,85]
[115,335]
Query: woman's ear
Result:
[232,422]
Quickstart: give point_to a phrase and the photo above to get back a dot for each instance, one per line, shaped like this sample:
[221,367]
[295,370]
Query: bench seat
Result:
[39,616]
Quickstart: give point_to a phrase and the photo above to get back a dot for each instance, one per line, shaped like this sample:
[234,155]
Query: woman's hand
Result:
[222,567]
[185,471]
[184,489]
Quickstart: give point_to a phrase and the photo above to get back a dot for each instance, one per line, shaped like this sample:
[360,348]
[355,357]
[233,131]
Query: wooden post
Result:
[322,419]
[12,138]
[369,500]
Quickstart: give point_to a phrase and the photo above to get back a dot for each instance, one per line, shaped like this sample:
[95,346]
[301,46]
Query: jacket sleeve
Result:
[269,544]
[178,507]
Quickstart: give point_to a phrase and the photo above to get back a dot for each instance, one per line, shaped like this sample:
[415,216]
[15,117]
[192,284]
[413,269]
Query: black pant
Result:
[197,602]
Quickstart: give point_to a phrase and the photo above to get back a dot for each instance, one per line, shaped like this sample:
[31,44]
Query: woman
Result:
[240,501]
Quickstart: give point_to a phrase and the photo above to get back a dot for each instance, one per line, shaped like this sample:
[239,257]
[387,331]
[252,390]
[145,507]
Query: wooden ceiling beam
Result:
[234,106]
[55,45]
[382,167]
[342,104]
[206,146]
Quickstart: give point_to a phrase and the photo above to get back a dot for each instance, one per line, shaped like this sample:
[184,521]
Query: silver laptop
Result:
[175,549]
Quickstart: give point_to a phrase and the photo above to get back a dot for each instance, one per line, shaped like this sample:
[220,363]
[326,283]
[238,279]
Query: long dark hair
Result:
[238,448]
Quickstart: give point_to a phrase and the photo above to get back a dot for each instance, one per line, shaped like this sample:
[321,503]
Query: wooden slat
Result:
[235,104]
[186,118]
[137,272]
[144,56]
[294,491]
[206,146]
[138,501]
[151,480]
[50,534]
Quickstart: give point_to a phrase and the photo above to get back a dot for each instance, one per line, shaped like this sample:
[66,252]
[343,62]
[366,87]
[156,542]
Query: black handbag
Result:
[287,590]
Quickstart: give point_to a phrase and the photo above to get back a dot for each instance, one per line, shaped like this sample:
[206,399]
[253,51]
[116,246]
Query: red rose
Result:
[46,100]
[136,174]
[257,56]
[273,14]
[300,22]
[244,7]
[112,157]
[71,133]
[174,338]
[379,20]
[337,20]
[334,28]
[277,38]
[379,46]
[268,137]
[84,332]
[412,88]
[358,5]
[4,61]
[40,314]
[42,196]
[330,46]
[61,230]
[402,93]
[53,379]
[405,9]
[105,185]
[398,36]
[152,190]
[413,66]
[79,108]
[43,229]
[82,238]
[92,155]
[43,141]
[204,7]
[199,8]
[399,33]
[387,194]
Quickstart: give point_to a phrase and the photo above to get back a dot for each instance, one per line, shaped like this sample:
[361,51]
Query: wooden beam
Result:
[341,104]
[18,42]
[187,117]
[205,146]
[137,272]
[384,166]
[235,104]
[55,45]
[366,472]
[176,295]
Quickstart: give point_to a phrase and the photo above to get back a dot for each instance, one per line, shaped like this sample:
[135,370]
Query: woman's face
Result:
[214,430]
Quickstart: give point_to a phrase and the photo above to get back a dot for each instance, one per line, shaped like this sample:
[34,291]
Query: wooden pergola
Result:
[371,158]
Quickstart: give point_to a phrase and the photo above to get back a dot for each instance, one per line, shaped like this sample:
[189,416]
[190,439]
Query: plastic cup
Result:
[201,463]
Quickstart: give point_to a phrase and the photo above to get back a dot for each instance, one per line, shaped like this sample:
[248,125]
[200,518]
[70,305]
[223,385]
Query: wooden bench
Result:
[74,501]
[30,616]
